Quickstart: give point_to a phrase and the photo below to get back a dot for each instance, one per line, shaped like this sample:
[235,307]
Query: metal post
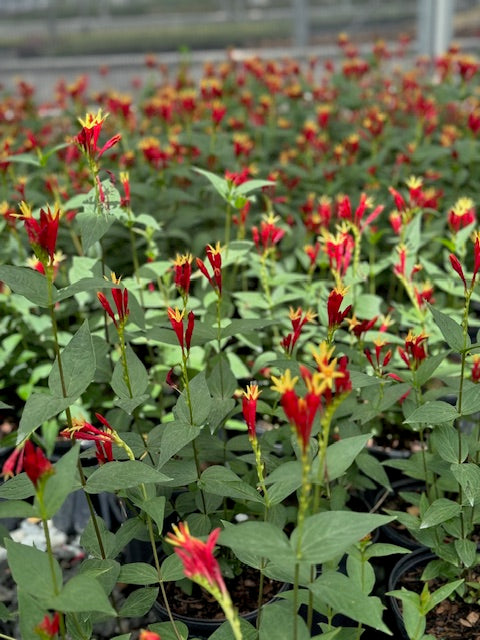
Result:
[434,26]
[300,23]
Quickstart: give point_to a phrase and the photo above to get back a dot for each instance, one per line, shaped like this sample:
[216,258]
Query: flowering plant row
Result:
[299,254]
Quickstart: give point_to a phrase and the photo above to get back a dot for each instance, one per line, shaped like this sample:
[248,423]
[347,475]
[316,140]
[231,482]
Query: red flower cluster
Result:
[269,234]
[89,134]
[182,271]
[184,336]
[120,299]
[197,556]
[49,627]
[103,439]
[298,319]
[414,351]
[334,302]
[26,457]
[42,233]
[214,255]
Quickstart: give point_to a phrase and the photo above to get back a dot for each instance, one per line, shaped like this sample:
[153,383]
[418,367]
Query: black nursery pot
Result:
[389,531]
[419,558]
[203,628]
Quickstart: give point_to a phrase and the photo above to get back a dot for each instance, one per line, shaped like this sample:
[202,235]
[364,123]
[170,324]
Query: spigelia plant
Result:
[217,303]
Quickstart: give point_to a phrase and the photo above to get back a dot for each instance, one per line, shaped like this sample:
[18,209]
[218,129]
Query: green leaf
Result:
[341,454]
[172,568]
[139,602]
[428,366]
[468,477]
[251,185]
[31,569]
[176,435]
[117,475]
[467,551]
[372,468]
[444,441]
[138,376]
[78,365]
[224,482]
[28,283]
[93,225]
[201,402]
[432,413]
[277,623]
[262,538]
[83,285]
[451,330]
[39,408]
[155,508]
[17,488]
[442,594]
[225,632]
[470,400]
[83,593]
[343,596]
[60,483]
[17,509]
[219,184]
[328,534]
[105,571]
[284,480]
[166,631]
[440,511]
[380,549]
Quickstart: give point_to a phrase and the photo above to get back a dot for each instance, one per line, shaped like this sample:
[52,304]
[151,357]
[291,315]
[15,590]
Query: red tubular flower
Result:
[476,369]
[269,234]
[13,465]
[49,627]
[148,635]
[87,139]
[104,439]
[339,250]
[125,180]
[298,319]
[182,268]
[400,203]
[42,233]
[120,299]
[197,556]
[300,412]
[359,327]
[35,464]
[414,351]
[249,408]
[176,320]
[455,262]
[335,316]
[461,215]
[214,256]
